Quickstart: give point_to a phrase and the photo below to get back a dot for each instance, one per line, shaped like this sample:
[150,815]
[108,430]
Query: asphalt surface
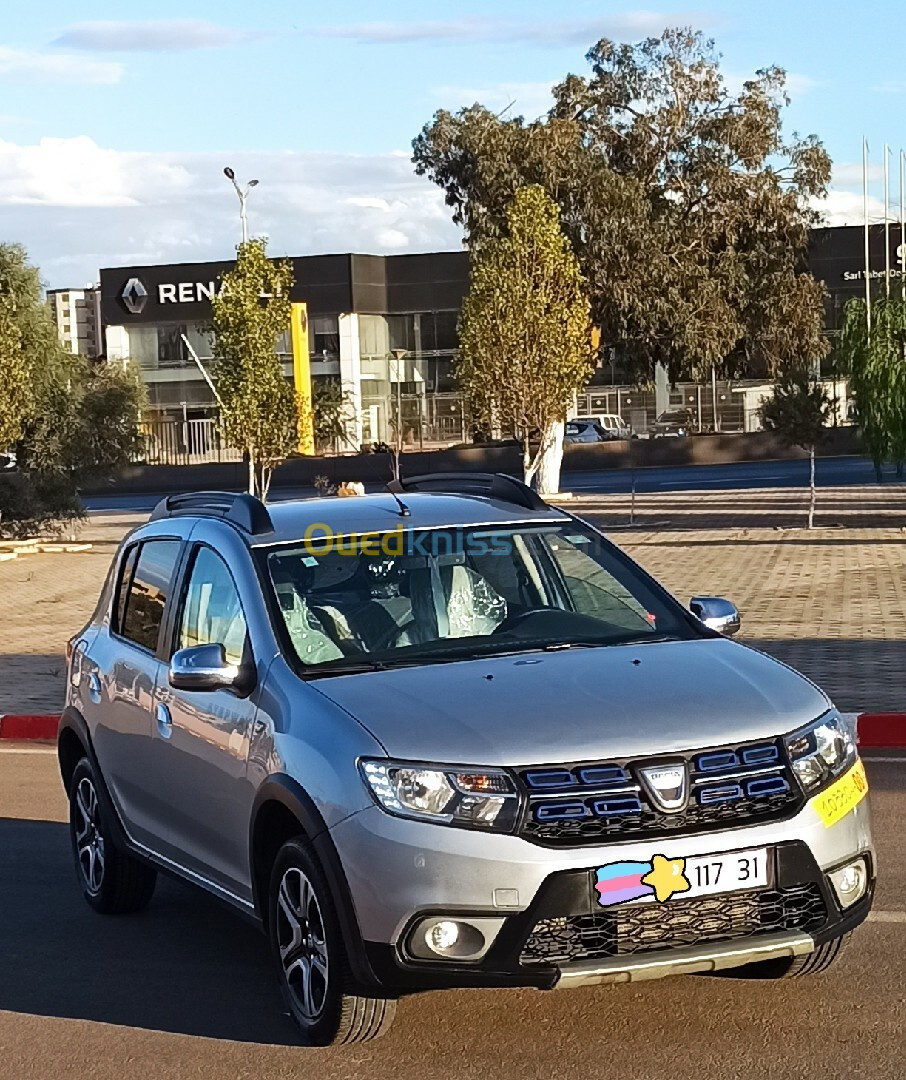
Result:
[185,989]
[830,472]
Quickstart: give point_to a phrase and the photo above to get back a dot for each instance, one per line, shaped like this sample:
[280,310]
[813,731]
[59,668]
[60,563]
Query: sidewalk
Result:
[830,602]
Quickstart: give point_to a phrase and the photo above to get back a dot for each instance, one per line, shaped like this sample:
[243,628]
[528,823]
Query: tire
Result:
[112,882]
[815,963]
[308,949]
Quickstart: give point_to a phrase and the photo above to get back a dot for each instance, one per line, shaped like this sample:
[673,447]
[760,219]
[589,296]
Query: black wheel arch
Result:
[283,809]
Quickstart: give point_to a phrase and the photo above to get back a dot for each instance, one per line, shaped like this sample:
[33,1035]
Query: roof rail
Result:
[243,510]
[500,486]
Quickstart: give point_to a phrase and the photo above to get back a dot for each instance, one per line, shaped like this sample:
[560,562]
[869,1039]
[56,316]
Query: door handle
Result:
[164,722]
[94,687]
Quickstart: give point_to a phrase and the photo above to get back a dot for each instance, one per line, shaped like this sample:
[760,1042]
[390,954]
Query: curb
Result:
[882,730]
[876,731]
[23,727]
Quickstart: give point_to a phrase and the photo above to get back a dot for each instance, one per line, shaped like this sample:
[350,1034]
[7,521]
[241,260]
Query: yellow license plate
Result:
[842,796]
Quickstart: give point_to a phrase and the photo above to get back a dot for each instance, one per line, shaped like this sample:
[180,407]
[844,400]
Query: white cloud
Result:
[78,206]
[549,33]
[846,208]
[153,35]
[528,99]
[37,66]
[890,86]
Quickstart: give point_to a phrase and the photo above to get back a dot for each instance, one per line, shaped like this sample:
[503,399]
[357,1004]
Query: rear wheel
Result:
[815,963]
[311,958]
[112,882]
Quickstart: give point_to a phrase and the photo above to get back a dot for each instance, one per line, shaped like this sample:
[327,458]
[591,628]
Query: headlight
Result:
[480,798]
[822,751]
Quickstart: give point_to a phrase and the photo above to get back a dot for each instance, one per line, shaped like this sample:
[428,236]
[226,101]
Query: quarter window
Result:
[148,591]
[211,611]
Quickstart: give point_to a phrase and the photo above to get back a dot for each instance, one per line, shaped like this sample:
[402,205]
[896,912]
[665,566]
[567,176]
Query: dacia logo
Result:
[134,296]
[666,786]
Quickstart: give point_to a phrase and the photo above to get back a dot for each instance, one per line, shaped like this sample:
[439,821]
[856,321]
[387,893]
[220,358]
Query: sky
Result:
[116,120]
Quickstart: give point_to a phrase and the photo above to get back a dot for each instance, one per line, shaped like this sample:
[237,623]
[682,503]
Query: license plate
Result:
[727,872]
[698,875]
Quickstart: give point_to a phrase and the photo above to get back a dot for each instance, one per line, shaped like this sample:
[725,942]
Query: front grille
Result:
[594,802]
[639,928]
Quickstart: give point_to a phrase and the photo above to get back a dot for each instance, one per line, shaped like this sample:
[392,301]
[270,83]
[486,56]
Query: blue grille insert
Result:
[725,759]
[766,785]
[760,755]
[560,811]
[629,804]
[720,794]
[604,774]
[553,778]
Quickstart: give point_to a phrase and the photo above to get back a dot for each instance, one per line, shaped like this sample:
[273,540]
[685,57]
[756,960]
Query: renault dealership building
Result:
[361,308]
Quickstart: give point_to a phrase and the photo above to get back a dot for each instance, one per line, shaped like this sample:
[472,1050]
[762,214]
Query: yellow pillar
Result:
[302,377]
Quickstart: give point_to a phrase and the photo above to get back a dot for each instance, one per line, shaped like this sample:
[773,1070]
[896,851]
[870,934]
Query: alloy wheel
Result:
[301,942]
[88,838]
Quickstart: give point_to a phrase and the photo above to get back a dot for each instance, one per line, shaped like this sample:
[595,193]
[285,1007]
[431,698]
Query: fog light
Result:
[850,882]
[438,938]
[442,936]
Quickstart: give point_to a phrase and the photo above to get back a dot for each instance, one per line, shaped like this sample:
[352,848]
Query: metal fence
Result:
[185,442]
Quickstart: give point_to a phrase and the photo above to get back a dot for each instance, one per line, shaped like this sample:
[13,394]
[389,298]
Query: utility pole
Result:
[243,197]
[886,221]
[865,216]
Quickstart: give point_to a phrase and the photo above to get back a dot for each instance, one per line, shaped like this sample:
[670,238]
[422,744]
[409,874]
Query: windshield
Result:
[408,597]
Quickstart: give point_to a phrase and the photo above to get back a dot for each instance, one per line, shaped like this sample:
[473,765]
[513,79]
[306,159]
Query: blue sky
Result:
[114,129]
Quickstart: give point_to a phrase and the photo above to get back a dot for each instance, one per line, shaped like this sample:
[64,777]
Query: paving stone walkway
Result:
[830,601]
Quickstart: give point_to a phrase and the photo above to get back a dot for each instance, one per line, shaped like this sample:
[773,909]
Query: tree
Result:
[876,363]
[525,334]
[798,412]
[69,418]
[258,408]
[28,342]
[688,209]
[330,411]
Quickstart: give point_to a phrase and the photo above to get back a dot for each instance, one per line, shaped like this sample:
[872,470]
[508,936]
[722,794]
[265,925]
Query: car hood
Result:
[579,704]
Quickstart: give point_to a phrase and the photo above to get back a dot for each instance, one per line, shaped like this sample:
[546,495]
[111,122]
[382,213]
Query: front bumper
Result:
[400,871]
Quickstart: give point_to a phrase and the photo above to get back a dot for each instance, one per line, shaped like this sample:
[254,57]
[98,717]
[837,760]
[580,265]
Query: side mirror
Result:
[204,667]
[716,613]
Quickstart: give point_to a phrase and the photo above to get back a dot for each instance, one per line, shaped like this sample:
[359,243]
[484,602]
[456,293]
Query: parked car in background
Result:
[673,424]
[584,431]
[613,426]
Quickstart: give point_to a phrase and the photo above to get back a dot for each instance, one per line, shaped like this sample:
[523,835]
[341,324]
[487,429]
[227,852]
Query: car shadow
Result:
[185,965]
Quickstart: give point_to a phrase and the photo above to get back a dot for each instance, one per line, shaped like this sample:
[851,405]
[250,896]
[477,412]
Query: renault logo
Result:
[666,786]
[134,296]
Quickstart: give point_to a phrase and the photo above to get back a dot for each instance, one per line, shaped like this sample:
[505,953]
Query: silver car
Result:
[450,736]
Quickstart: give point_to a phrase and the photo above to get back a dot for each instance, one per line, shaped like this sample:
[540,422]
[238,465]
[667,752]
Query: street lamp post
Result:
[243,196]
[398,355]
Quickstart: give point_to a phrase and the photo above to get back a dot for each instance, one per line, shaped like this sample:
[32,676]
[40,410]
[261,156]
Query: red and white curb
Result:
[27,727]
[876,731]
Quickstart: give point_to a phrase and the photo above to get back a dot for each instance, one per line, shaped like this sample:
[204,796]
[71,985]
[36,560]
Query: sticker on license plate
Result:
[699,875]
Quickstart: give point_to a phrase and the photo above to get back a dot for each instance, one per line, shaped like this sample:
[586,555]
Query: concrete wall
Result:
[640,453]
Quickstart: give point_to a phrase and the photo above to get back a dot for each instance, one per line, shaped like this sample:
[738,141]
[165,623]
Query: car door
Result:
[207,732]
[125,668]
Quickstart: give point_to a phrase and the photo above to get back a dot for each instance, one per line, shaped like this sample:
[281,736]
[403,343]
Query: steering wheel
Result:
[512,622]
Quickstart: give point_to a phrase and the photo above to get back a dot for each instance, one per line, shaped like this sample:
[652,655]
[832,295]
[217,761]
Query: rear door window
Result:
[148,589]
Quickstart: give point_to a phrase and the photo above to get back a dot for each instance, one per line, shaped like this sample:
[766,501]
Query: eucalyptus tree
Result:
[686,204]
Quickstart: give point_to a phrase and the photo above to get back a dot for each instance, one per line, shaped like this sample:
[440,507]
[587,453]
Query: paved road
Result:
[184,990]
[831,472]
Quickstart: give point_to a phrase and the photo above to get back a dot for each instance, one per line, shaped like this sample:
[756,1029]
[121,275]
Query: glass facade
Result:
[419,388]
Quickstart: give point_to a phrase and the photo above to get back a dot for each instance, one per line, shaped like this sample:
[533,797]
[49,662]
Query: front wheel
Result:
[308,948]
[112,882]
